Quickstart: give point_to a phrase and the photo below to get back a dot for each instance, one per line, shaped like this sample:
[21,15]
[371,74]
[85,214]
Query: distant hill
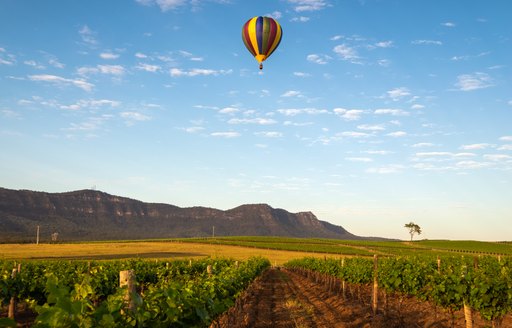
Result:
[95,215]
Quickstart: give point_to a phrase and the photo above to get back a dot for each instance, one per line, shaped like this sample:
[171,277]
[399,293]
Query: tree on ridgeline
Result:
[413,229]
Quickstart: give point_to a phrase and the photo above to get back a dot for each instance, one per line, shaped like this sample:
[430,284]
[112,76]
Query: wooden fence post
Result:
[468,315]
[343,285]
[11,312]
[127,279]
[375,285]
[209,270]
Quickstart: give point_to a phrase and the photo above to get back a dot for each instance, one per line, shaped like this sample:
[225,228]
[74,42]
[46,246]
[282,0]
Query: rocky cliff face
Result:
[95,215]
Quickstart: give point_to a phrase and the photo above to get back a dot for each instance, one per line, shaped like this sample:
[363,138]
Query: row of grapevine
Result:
[482,284]
[84,294]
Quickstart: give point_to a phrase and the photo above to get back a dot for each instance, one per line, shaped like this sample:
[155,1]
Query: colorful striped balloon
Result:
[261,36]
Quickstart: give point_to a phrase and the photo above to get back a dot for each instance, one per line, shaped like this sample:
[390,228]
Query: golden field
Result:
[143,249]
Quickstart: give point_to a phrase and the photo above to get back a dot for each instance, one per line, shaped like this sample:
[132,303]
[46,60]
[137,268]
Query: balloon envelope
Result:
[261,36]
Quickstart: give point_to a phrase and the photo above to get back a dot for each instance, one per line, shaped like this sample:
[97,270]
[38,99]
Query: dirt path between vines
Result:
[282,299]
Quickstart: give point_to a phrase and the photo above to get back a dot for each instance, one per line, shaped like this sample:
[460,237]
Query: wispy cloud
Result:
[477,146]
[109,55]
[427,42]
[177,72]
[318,59]
[269,134]
[88,36]
[297,111]
[116,70]
[397,134]
[346,52]
[229,134]
[398,93]
[131,117]
[257,120]
[148,67]
[388,169]
[58,80]
[349,114]
[308,5]
[300,19]
[391,111]
[470,82]
[448,24]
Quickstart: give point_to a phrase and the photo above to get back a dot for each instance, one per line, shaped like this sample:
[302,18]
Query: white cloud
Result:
[6,62]
[318,59]
[111,69]
[103,69]
[397,134]
[269,134]
[276,14]
[225,134]
[148,67]
[346,52]
[359,159]
[87,35]
[470,82]
[141,55]
[371,127]
[349,114]
[398,93]
[417,106]
[91,104]
[384,44]
[506,138]
[194,129]
[390,111]
[505,147]
[423,145]
[297,111]
[165,5]
[478,146]
[389,169]
[177,72]
[109,55]
[258,120]
[448,24]
[427,42]
[132,116]
[300,19]
[470,165]
[308,5]
[34,64]
[301,74]
[292,93]
[228,110]
[497,157]
[378,152]
[353,134]
[84,85]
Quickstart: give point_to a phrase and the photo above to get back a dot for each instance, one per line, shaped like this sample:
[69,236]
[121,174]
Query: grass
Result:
[278,250]
[137,249]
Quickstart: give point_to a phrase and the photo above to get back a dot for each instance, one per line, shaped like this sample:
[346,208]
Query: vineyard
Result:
[418,290]
[87,294]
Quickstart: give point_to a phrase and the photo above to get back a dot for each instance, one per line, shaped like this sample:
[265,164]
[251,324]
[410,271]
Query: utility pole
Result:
[213,231]
[37,237]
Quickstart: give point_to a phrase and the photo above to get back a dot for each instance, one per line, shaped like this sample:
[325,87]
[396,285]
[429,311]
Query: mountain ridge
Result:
[96,215]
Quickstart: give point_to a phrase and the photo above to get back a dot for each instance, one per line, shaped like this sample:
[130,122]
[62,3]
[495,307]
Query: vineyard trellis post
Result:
[127,279]
[375,285]
[11,313]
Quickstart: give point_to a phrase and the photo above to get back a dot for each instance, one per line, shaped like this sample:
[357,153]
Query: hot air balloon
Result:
[261,36]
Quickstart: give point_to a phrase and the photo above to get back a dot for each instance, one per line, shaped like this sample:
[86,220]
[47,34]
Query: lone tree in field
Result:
[413,229]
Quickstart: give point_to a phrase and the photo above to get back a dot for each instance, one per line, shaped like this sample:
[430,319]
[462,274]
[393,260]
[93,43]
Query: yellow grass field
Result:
[161,250]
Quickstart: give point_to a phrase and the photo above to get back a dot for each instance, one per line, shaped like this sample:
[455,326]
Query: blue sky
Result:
[370,114]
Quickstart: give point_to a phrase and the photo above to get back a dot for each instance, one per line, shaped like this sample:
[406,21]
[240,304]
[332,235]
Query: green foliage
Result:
[485,284]
[177,294]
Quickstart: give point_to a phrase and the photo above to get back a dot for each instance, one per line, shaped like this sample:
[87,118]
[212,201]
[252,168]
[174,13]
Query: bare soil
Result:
[282,298]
